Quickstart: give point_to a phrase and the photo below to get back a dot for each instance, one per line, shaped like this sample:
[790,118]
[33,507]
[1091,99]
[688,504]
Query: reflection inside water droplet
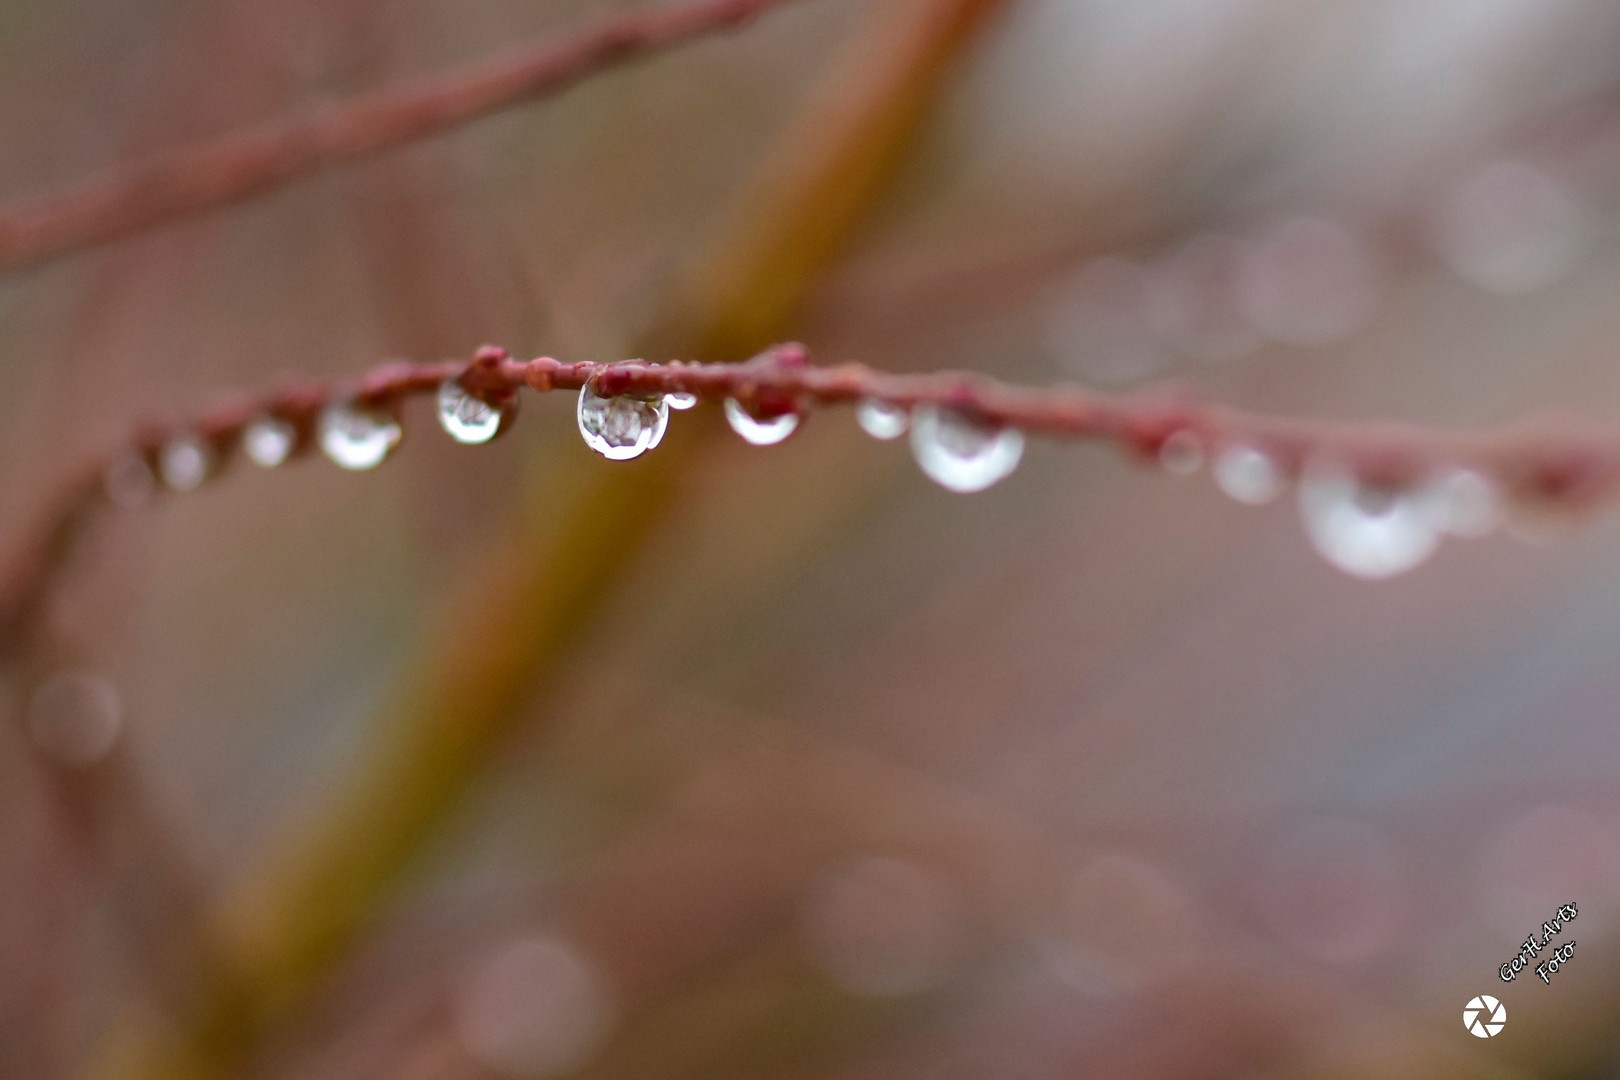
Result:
[468,418]
[1368,531]
[961,452]
[621,426]
[269,441]
[882,420]
[357,436]
[756,431]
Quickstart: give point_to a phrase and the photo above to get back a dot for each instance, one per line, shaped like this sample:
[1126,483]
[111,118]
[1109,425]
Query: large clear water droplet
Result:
[1247,474]
[184,462]
[881,420]
[357,436]
[269,441]
[621,426]
[756,431]
[1464,503]
[534,1007]
[961,452]
[468,418]
[74,717]
[680,400]
[1367,530]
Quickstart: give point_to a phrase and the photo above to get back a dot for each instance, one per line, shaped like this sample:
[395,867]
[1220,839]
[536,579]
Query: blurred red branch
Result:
[1540,465]
[130,198]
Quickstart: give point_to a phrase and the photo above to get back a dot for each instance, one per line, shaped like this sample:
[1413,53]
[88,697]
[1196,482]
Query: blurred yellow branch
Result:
[290,921]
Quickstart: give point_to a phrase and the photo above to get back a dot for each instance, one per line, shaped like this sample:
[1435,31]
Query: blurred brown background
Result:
[820,770]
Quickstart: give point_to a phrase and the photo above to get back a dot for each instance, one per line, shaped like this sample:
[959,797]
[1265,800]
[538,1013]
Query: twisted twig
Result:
[128,199]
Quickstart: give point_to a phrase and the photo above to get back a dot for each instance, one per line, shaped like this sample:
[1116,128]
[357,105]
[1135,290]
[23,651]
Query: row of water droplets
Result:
[351,433]
[957,450]
[1366,529]
[960,451]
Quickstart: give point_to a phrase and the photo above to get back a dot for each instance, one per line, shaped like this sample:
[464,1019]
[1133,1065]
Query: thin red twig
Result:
[128,199]
[1546,466]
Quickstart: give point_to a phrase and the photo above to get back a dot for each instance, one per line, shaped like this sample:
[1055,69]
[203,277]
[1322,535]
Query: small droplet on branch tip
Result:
[1247,474]
[269,441]
[759,432]
[469,419]
[357,436]
[184,462]
[680,400]
[882,420]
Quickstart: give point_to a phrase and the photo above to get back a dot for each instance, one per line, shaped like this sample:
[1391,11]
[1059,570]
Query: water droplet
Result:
[1195,308]
[468,418]
[534,1007]
[269,441]
[1510,229]
[357,436]
[961,452]
[1464,503]
[1366,530]
[882,420]
[623,426]
[185,462]
[128,482]
[760,432]
[1123,920]
[74,717]
[1247,474]
[680,400]
[884,927]
[1182,454]
[1308,281]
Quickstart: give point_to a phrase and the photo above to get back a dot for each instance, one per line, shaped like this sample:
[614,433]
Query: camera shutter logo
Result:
[1484,1016]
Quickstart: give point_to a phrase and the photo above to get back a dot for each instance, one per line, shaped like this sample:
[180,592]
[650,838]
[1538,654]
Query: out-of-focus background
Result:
[734,762]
